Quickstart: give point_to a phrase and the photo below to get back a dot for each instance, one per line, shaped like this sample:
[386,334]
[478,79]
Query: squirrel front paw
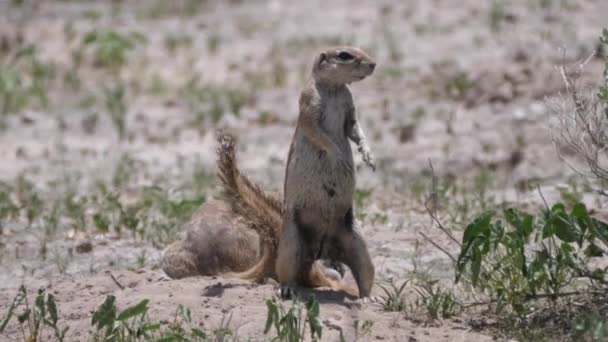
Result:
[368,158]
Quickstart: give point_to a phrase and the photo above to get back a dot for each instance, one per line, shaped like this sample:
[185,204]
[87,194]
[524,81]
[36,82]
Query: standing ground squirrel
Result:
[318,220]
[315,219]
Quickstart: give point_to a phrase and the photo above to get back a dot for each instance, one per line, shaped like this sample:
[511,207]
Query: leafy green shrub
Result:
[290,325]
[520,257]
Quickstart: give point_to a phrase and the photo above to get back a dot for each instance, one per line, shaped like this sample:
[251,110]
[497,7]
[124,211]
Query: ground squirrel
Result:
[315,218]
[216,241]
[318,219]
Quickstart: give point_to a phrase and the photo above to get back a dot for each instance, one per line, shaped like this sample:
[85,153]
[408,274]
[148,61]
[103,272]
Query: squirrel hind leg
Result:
[320,277]
[357,258]
[178,262]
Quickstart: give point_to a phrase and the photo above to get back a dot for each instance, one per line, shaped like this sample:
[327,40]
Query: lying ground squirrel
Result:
[315,220]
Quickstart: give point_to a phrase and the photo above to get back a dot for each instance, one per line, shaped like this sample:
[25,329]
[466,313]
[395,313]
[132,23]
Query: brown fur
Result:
[262,211]
[215,241]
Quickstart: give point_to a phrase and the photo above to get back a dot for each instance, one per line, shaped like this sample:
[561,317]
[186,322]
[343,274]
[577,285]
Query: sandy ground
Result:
[460,83]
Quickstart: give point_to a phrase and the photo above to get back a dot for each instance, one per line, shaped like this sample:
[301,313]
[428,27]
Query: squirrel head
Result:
[342,65]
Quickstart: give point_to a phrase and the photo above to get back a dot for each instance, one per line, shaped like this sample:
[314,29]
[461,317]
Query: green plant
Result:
[210,102]
[23,77]
[361,330]
[591,328]
[213,42]
[497,14]
[521,257]
[176,41]
[290,325]
[603,88]
[8,209]
[392,300]
[457,86]
[128,325]
[436,301]
[110,48]
[117,107]
[133,324]
[33,319]
[28,198]
[74,207]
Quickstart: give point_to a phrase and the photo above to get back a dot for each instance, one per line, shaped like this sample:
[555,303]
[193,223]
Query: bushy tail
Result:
[260,209]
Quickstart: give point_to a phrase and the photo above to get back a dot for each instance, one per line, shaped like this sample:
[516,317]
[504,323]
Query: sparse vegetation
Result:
[33,318]
[110,324]
[209,103]
[24,78]
[117,107]
[290,325]
[110,48]
[97,106]
[393,300]
[581,118]
[437,302]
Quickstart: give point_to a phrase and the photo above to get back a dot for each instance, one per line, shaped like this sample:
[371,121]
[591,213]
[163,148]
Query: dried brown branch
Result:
[580,125]
[536,297]
[116,281]
[431,204]
[438,246]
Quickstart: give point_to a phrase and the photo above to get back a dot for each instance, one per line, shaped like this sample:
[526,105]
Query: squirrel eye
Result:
[345,56]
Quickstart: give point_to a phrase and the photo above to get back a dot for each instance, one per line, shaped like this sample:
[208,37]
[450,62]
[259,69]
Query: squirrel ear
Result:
[322,58]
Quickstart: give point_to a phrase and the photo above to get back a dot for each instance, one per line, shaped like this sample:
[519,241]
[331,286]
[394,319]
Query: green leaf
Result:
[593,250]
[52,308]
[558,223]
[199,333]
[39,302]
[312,313]
[565,230]
[16,302]
[601,229]
[475,269]
[102,223]
[272,316]
[475,243]
[133,311]
[105,314]
[151,327]
[479,227]
[24,316]
[26,51]
[90,37]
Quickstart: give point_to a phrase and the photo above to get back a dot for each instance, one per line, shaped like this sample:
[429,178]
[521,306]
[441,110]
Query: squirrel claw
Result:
[369,160]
